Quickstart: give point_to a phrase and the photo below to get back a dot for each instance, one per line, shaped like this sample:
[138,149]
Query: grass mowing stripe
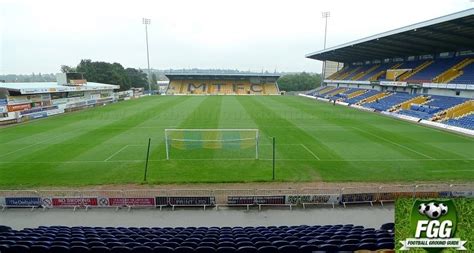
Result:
[87,138]
[58,123]
[95,136]
[271,116]
[394,143]
[391,129]
[350,133]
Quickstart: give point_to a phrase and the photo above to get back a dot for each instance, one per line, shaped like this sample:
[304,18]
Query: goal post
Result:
[217,139]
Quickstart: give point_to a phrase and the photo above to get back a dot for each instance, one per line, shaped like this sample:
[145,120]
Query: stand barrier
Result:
[160,198]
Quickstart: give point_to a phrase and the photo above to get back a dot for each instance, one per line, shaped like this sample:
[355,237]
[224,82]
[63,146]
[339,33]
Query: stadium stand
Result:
[435,69]
[343,95]
[222,84]
[260,239]
[356,99]
[424,71]
[466,76]
[466,121]
[325,91]
[442,70]
[387,102]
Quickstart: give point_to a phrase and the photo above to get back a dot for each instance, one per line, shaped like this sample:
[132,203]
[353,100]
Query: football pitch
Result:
[315,141]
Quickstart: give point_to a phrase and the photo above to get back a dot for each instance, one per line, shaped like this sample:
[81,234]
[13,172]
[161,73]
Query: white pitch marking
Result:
[280,144]
[394,143]
[120,150]
[29,146]
[246,159]
[311,152]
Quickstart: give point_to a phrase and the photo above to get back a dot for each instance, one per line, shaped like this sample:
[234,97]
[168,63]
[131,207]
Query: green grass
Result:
[107,145]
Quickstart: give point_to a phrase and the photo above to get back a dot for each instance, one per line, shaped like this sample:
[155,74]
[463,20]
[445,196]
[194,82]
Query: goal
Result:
[233,143]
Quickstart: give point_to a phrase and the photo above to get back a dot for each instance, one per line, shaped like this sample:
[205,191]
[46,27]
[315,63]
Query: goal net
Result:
[212,143]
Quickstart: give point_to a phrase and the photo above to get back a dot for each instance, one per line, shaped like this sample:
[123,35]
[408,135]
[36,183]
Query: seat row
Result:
[271,239]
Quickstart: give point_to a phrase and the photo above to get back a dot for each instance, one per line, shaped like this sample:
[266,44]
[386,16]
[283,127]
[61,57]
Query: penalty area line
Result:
[311,152]
[114,154]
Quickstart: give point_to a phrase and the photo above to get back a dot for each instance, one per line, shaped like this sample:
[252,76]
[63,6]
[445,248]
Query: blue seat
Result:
[152,244]
[142,249]
[298,243]
[132,244]
[328,247]
[183,249]
[246,249]
[19,248]
[173,245]
[79,249]
[259,244]
[348,247]
[59,249]
[267,249]
[189,244]
[208,244]
[163,249]
[23,242]
[385,239]
[308,248]
[38,249]
[226,249]
[386,245]
[288,249]
[120,249]
[226,244]
[244,243]
[99,249]
[205,249]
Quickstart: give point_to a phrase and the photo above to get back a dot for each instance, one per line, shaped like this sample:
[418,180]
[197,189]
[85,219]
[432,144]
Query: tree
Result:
[104,72]
[137,78]
[299,82]
[154,81]
[67,69]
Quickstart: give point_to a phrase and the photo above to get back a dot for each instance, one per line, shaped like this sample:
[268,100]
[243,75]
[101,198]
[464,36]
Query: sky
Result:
[40,36]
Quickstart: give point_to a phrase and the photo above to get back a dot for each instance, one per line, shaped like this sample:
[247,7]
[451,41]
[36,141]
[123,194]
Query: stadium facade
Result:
[422,72]
[222,84]
[21,102]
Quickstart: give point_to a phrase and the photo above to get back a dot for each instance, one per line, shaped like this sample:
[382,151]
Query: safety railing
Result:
[160,198]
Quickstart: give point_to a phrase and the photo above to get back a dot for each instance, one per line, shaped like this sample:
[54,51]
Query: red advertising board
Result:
[132,201]
[71,202]
[21,107]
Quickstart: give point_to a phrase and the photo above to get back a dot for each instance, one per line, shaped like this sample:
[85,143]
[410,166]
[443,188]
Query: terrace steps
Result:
[456,111]
[326,90]
[464,115]
[348,73]
[464,108]
[337,91]
[363,73]
[382,72]
[356,93]
[419,68]
[375,97]
[336,74]
[416,100]
[453,72]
